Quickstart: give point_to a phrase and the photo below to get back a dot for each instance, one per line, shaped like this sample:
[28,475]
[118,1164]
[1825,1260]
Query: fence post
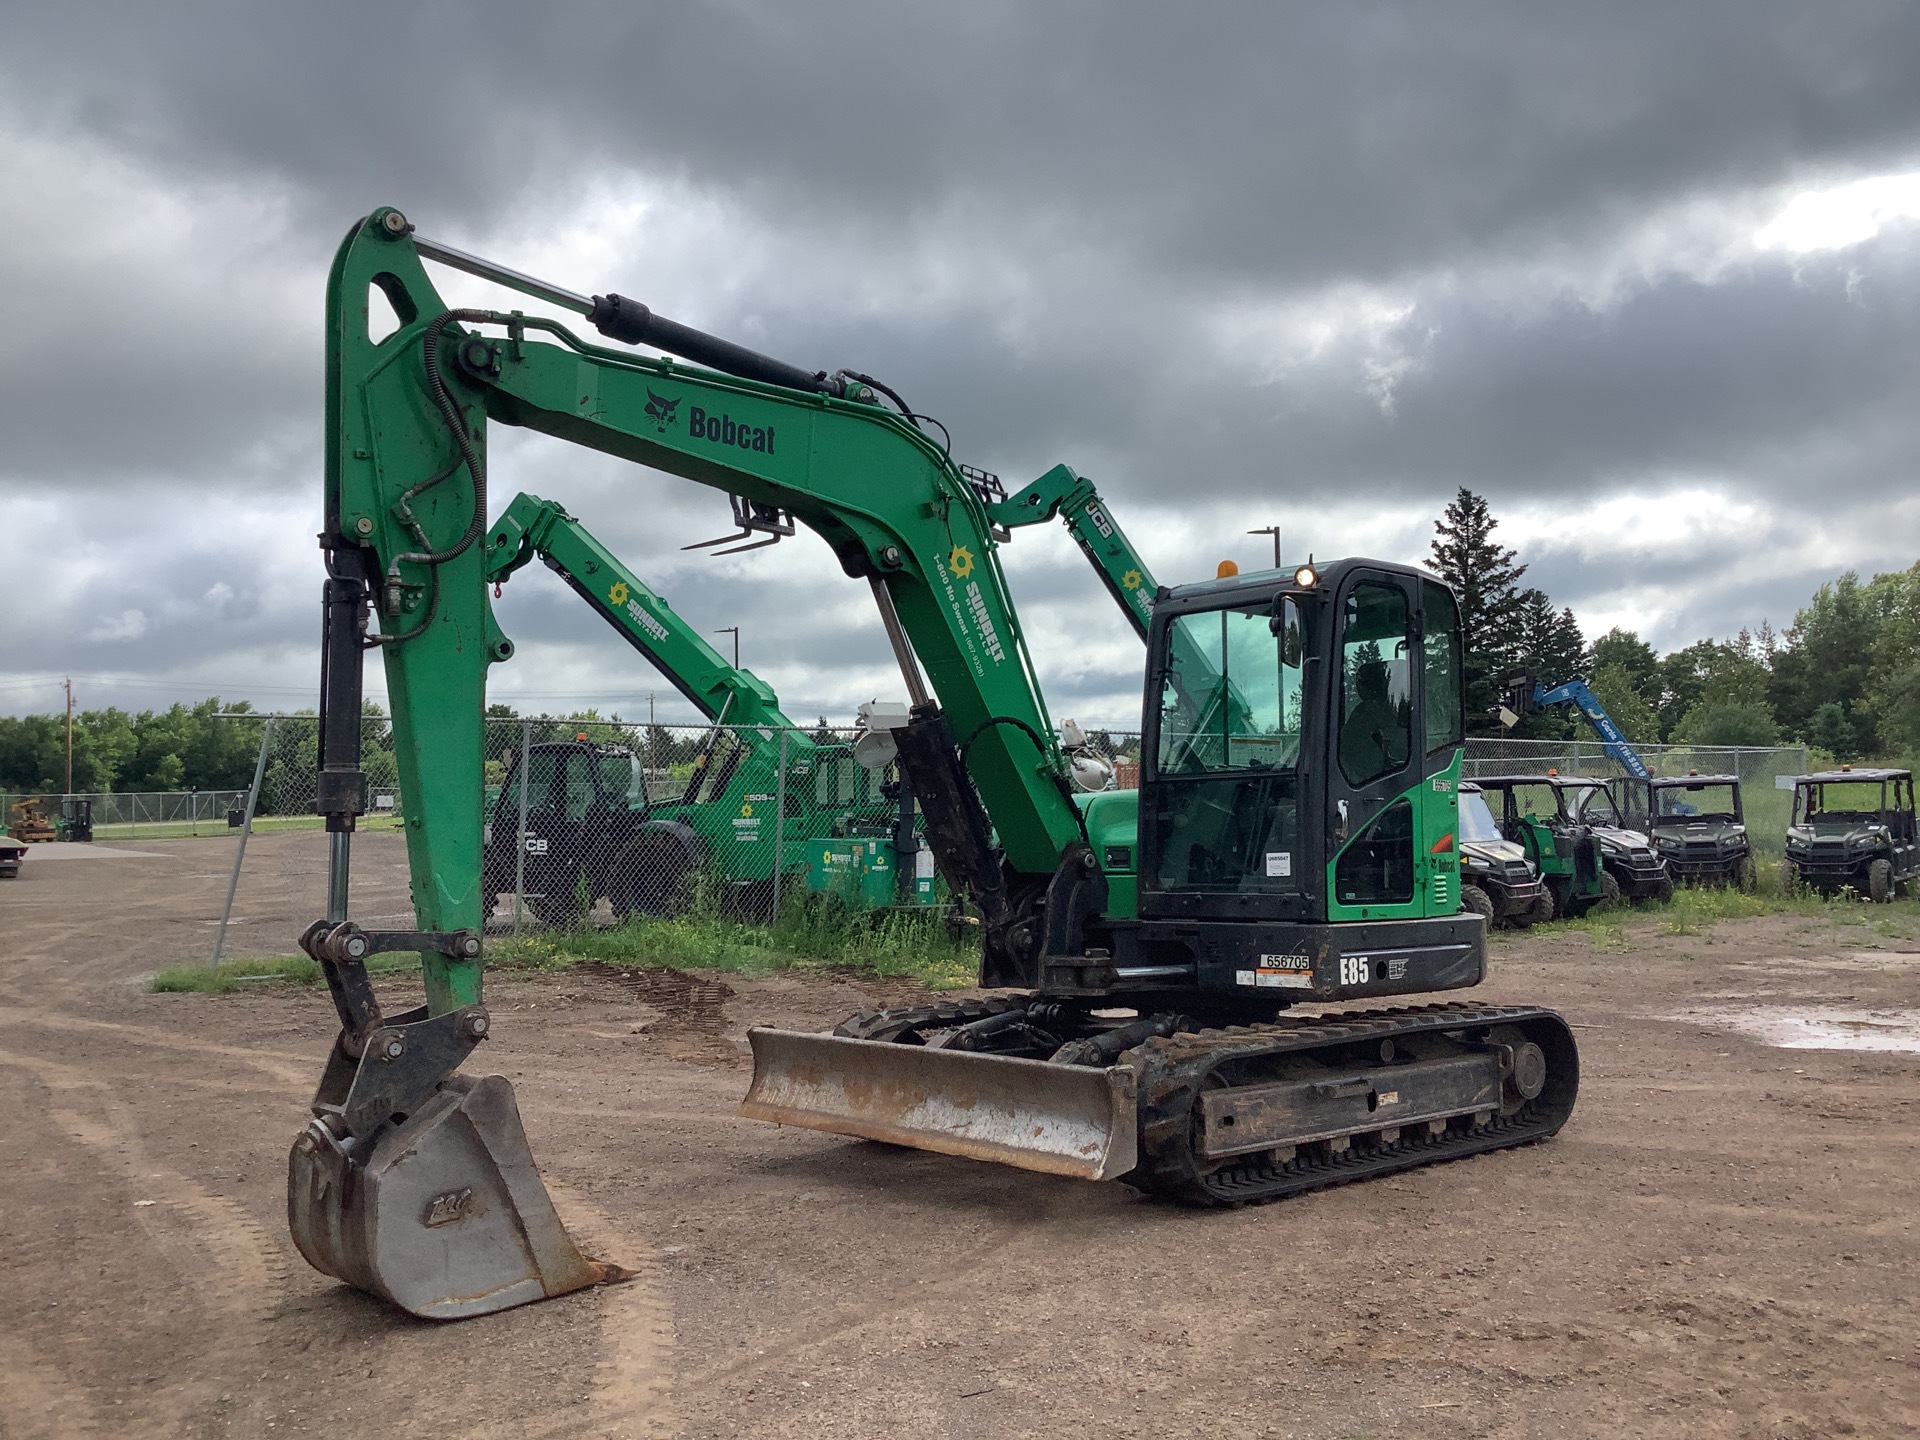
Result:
[520,834]
[779,827]
[240,850]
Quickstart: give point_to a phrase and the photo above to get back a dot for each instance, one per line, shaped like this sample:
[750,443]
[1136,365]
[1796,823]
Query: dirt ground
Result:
[1719,1244]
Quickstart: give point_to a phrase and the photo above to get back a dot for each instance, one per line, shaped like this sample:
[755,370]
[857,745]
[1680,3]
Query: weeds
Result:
[809,935]
[225,979]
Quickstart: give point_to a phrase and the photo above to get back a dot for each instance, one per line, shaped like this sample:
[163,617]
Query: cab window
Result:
[1441,648]
[1231,699]
[1376,702]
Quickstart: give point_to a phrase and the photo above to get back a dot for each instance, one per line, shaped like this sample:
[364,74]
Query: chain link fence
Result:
[595,822]
[132,815]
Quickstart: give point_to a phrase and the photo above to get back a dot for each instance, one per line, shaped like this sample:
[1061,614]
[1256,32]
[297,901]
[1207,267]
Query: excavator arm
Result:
[406,488]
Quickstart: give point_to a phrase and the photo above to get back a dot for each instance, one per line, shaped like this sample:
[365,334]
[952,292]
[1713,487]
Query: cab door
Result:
[1376,744]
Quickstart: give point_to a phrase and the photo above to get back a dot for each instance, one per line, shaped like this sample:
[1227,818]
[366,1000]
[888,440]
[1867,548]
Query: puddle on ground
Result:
[1817,1029]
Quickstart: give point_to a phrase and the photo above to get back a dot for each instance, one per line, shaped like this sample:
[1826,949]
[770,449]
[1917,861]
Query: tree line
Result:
[190,747]
[1844,678]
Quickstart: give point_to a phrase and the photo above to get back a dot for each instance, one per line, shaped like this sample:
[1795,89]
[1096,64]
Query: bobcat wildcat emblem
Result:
[661,410]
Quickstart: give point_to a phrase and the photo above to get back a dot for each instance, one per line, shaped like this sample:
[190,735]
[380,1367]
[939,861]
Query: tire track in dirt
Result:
[227,1265]
[288,1069]
[837,1324]
[41,1402]
[632,1384]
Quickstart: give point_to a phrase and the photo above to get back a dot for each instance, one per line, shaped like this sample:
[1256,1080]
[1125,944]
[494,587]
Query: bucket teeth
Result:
[446,1217]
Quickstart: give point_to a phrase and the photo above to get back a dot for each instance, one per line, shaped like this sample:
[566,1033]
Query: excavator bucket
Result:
[1060,1119]
[447,1218]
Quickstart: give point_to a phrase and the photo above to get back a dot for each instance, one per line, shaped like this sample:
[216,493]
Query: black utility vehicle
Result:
[1627,854]
[1497,880]
[586,807]
[1852,829]
[1696,824]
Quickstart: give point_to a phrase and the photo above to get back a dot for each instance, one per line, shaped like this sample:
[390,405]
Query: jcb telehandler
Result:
[1292,839]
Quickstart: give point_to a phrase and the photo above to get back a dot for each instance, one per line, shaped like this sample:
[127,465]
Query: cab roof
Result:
[1840,777]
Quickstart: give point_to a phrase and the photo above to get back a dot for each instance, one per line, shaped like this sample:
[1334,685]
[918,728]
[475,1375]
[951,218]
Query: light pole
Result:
[1274,531]
[733,630]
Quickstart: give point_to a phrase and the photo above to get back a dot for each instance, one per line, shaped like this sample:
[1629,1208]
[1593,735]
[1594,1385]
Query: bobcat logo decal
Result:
[661,410]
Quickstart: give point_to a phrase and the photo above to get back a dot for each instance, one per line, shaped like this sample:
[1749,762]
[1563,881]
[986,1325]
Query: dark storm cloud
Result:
[1312,265]
[1257,138]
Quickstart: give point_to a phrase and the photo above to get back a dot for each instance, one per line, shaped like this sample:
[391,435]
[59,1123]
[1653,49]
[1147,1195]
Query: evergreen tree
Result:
[1485,577]
[1549,647]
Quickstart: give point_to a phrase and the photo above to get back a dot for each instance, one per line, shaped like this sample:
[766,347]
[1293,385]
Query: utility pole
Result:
[1274,531]
[733,630]
[69,685]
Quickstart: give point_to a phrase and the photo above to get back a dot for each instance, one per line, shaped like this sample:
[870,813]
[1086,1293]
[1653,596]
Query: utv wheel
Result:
[1880,881]
[655,874]
[1744,875]
[1789,878]
[1544,909]
[1609,896]
[1473,898]
[1662,893]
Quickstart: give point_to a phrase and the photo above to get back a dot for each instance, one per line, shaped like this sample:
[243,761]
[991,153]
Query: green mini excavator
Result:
[1293,838]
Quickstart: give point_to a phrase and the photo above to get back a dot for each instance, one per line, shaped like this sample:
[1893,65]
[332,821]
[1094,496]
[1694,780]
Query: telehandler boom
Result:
[1292,839]
[764,796]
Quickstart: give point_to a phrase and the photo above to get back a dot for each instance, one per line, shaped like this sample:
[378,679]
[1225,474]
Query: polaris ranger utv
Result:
[1696,823]
[1529,813]
[1852,830]
[1627,854]
[1497,880]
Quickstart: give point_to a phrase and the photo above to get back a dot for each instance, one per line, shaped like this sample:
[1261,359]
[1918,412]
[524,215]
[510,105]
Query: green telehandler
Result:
[1293,838]
[590,830]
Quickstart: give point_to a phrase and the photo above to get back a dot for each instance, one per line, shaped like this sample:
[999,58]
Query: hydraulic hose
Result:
[457,425]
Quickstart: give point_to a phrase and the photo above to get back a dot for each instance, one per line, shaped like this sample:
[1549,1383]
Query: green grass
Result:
[232,975]
[1692,910]
[810,937]
[214,828]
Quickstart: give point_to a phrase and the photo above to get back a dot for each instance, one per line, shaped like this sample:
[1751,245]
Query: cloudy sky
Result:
[1646,275]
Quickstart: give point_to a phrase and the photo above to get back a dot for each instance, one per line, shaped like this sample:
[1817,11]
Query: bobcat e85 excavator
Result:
[1292,839]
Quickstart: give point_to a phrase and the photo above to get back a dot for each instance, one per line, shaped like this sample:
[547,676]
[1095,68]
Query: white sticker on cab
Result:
[1279,862]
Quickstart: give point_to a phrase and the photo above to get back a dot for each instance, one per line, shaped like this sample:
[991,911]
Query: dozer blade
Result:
[1061,1119]
[447,1218]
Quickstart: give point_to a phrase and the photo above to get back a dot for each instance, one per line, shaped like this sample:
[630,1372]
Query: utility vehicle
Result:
[1695,822]
[1852,829]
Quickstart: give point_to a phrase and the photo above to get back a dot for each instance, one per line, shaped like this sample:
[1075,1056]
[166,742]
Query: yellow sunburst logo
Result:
[1131,579]
[960,562]
[746,810]
[618,594]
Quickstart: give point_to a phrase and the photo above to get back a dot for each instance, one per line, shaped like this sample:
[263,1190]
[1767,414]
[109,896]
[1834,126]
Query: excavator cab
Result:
[1301,759]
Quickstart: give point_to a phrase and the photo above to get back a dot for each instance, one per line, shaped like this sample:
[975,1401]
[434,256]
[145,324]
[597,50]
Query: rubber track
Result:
[1172,1072]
